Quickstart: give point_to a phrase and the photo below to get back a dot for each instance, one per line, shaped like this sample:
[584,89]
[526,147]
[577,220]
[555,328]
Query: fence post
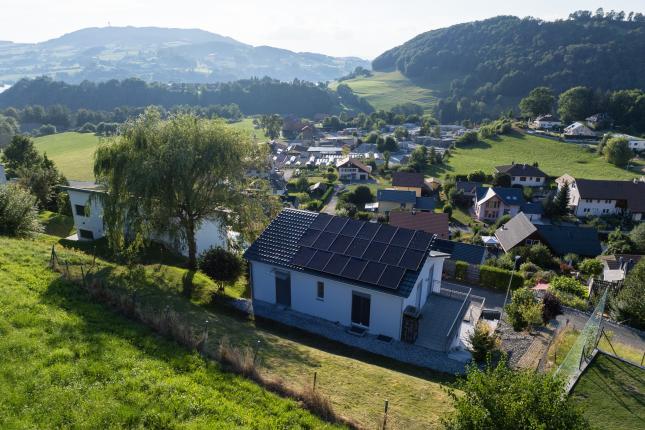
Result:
[257,349]
[642,358]
[315,376]
[82,276]
[385,415]
[67,268]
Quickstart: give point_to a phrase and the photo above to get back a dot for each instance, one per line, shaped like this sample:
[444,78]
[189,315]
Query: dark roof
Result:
[632,192]
[376,256]
[86,186]
[473,254]
[469,187]
[548,118]
[434,223]
[356,163]
[614,261]
[514,232]
[407,179]
[520,170]
[398,196]
[532,208]
[509,195]
[563,239]
[425,203]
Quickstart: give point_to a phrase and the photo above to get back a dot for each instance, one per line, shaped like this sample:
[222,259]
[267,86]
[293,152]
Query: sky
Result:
[360,28]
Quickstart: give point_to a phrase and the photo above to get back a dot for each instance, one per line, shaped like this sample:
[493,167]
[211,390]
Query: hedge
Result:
[460,270]
[496,278]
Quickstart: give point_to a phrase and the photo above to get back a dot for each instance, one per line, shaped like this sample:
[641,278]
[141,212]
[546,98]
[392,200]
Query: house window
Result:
[605,211]
[585,210]
[320,290]
[538,179]
[80,210]
[588,200]
[522,178]
[361,309]
[607,201]
[86,234]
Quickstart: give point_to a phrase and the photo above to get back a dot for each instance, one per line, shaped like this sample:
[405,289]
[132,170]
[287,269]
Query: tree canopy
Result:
[540,101]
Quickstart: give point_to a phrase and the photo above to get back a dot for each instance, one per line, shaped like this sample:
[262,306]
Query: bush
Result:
[565,284]
[483,341]
[524,310]
[592,267]
[18,211]
[448,210]
[550,307]
[314,205]
[460,270]
[629,304]
[496,278]
[221,266]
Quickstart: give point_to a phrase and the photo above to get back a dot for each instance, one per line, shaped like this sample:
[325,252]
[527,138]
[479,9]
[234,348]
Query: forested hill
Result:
[507,56]
[253,96]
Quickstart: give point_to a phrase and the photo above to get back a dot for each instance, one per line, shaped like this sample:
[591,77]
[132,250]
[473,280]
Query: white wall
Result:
[529,181]
[596,207]
[93,222]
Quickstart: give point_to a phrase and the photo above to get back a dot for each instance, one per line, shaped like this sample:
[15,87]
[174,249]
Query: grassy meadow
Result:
[554,158]
[72,152]
[51,330]
[612,394]
[384,90]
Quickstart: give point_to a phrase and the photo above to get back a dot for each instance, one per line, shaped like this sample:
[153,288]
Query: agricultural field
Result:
[612,394]
[554,158]
[384,90]
[246,125]
[94,348]
[72,152]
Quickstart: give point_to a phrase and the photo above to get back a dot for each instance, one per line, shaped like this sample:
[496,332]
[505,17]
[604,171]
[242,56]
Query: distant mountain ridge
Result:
[162,55]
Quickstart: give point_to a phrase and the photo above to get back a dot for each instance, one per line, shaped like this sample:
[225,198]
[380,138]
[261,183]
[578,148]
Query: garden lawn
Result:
[68,362]
[356,382]
[612,394]
[554,158]
[73,153]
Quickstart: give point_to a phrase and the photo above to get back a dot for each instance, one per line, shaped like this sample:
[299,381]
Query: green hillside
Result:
[554,158]
[72,152]
[384,90]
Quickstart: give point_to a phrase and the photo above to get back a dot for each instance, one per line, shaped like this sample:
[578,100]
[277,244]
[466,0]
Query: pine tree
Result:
[561,201]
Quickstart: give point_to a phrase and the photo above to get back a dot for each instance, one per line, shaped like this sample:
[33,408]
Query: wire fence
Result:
[582,350]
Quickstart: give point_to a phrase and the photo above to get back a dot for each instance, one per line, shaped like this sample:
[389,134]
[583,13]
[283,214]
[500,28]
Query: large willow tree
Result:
[167,177]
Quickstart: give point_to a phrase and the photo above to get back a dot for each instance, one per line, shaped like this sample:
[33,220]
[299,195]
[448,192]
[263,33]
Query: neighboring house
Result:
[636,144]
[578,129]
[324,150]
[351,169]
[523,174]
[392,199]
[617,266]
[370,278]
[433,223]
[561,239]
[408,181]
[533,211]
[318,189]
[459,251]
[596,197]
[599,121]
[469,188]
[87,211]
[493,203]
[546,122]
[3,175]
[433,184]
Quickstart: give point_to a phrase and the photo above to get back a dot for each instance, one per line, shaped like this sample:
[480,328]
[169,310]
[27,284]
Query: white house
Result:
[87,211]
[636,144]
[351,169]
[589,197]
[578,129]
[546,122]
[366,277]
[525,175]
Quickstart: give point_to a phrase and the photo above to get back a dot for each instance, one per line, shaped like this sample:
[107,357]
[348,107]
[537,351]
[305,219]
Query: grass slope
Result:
[384,90]
[554,158]
[612,394]
[70,363]
[357,383]
[246,124]
[72,152]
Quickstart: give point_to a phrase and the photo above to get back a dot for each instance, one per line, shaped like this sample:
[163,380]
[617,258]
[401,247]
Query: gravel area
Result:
[514,343]
[401,351]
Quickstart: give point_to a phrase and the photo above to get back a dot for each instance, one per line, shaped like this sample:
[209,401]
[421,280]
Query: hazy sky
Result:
[336,27]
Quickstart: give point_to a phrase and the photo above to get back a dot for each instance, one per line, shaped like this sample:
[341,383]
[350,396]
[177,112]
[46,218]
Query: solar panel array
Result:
[378,254]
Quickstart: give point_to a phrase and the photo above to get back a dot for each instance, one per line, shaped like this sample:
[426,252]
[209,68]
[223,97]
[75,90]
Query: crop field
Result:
[384,90]
[553,157]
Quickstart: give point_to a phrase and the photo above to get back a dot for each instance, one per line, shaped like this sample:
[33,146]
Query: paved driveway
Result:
[494,299]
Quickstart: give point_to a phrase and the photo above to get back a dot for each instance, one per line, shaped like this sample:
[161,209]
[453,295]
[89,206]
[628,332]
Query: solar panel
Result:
[309,237]
[321,221]
[402,237]
[303,256]
[336,264]
[336,225]
[372,272]
[391,277]
[412,259]
[385,233]
[351,228]
[354,268]
[319,260]
[421,240]
[340,244]
[357,247]
[324,241]
[368,230]
[374,251]
[392,255]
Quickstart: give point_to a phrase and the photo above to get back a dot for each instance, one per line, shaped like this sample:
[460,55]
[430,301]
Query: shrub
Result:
[18,211]
[220,265]
[565,284]
[460,270]
[550,307]
[483,341]
[448,210]
[524,310]
[592,267]
[496,278]
[314,205]
[629,303]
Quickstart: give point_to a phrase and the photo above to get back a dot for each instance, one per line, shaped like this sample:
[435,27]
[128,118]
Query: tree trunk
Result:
[192,245]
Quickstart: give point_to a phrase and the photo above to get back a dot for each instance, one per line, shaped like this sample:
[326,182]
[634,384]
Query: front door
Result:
[361,309]
[283,289]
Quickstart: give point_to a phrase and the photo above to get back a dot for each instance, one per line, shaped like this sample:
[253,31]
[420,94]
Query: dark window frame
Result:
[320,290]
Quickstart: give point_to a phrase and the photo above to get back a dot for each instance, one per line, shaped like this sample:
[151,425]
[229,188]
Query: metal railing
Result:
[458,317]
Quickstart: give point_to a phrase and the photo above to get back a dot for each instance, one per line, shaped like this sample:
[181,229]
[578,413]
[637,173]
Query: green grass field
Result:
[384,90]
[554,158]
[72,152]
[247,125]
[357,383]
[68,362]
[612,394]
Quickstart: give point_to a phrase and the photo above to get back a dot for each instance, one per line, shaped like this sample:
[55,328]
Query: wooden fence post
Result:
[385,415]
[315,376]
